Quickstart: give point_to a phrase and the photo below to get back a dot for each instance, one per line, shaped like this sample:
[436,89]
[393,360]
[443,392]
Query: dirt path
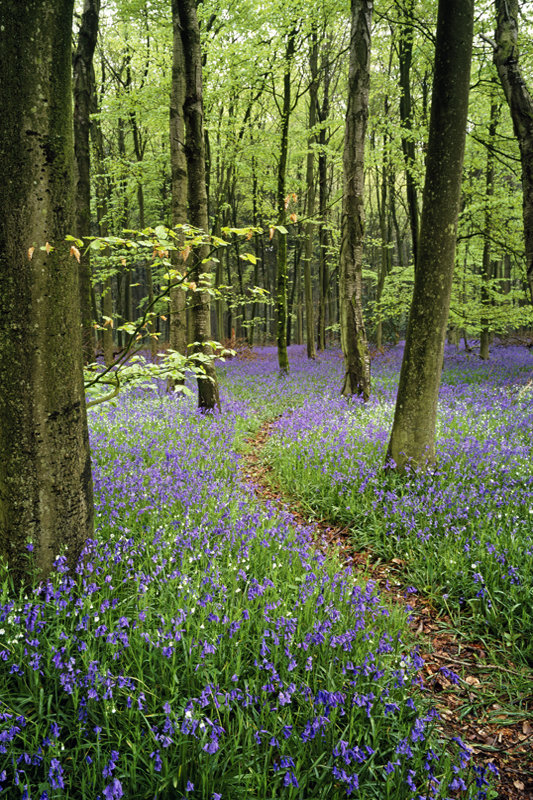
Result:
[483,724]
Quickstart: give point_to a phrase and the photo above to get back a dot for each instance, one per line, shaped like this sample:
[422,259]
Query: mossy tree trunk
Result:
[520,101]
[208,397]
[412,440]
[353,335]
[83,72]
[45,473]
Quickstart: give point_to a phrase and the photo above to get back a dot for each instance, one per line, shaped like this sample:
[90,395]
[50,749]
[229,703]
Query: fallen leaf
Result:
[519,785]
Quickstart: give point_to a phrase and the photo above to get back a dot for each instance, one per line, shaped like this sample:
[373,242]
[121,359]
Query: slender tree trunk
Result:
[256,249]
[45,474]
[520,101]
[138,148]
[323,279]
[412,439]
[408,145]
[127,310]
[293,301]
[208,396]
[385,232]
[486,277]
[299,303]
[178,166]
[102,192]
[311,192]
[282,271]
[83,72]
[353,336]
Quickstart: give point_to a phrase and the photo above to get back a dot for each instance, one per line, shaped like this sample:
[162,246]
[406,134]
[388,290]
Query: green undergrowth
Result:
[204,650]
[461,533]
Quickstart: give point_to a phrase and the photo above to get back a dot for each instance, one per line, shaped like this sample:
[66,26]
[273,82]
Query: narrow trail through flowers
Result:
[456,671]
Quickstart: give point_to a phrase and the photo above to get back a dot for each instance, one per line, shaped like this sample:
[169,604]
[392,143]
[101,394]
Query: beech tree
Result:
[83,87]
[282,203]
[45,478]
[178,165]
[186,27]
[353,336]
[412,440]
[520,101]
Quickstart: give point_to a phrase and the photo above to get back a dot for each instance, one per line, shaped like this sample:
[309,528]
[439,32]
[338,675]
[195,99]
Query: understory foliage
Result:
[203,648]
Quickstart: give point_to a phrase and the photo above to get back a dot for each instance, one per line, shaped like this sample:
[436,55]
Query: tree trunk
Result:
[282,270]
[486,277]
[310,208]
[208,396]
[256,250]
[178,166]
[506,59]
[125,280]
[412,439]
[102,192]
[45,477]
[385,230]
[83,72]
[408,145]
[353,336]
[323,279]
[138,148]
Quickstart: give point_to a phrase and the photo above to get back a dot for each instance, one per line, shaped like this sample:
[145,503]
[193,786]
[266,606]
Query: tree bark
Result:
[178,165]
[408,145]
[412,440]
[102,194]
[506,59]
[311,192]
[125,280]
[323,137]
[83,73]
[353,335]
[282,269]
[45,473]
[486,275]
[385,232]
[208,396]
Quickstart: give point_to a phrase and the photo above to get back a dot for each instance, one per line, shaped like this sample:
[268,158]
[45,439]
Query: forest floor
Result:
[266,612]
[493,736]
